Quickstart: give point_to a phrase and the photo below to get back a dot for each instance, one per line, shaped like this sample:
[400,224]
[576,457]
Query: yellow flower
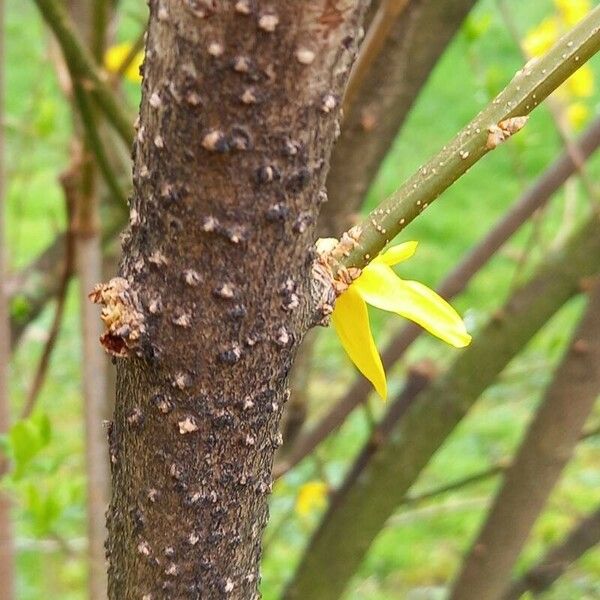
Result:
[312,496]
[379,286]
[542,37]
[581,83]
[577,114]
[572,11]
[114,57]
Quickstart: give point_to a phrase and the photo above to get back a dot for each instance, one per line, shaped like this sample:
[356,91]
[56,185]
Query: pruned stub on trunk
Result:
[239,113]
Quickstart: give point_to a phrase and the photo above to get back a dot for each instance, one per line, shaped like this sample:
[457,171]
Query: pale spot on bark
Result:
[305,56]
[188,425]
[121,315]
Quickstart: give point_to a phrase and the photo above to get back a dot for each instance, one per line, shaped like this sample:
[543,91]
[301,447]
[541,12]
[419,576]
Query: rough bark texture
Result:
[238,116]
[418,39]
[41,280]
[377,101]
[558,559]
[547,447]
[358,512]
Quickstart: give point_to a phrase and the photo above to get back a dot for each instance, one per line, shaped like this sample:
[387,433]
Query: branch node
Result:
[498,134]
[330,277]
[122,316]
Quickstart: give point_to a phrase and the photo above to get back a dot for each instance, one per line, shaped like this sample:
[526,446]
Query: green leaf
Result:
[20,307]
[45,117]
[476,26]
[44,509]
[25,441]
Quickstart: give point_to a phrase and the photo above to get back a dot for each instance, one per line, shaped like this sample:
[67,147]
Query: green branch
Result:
[99,25]
[505,115]
[82,68]
[95,144]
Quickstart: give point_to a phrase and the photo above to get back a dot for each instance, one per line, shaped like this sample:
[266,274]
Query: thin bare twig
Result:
[70,182]
[497,468]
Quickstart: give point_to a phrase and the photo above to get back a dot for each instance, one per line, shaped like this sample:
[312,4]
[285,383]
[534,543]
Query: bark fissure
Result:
[239,113]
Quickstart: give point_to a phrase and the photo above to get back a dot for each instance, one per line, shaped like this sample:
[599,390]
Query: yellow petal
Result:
[311,496]
[542,37]
[351,321]
[577,114]
[114,57]
[573,11]
[381,287]
[581,83]
[397,254]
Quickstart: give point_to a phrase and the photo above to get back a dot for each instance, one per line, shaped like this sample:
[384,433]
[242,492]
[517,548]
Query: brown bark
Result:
[534,198]
[237,122]
[296,410]
[547,447]
[6,535]
[419,37]
[584,536]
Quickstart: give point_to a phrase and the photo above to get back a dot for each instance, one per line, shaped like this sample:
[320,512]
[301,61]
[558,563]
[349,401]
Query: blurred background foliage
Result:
[422,543]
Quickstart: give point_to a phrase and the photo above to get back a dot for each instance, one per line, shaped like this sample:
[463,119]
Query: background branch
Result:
[361,507]
[528,88]
[584,536]
[94,142]
[40,281]
[496,469]
[455,282]
[69,181]
[544,452]
[82,67]
[379,107]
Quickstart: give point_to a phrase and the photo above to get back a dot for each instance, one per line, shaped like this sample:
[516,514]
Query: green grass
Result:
[421,546]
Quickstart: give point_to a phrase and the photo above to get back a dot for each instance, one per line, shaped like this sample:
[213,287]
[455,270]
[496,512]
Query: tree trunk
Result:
[238,117]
